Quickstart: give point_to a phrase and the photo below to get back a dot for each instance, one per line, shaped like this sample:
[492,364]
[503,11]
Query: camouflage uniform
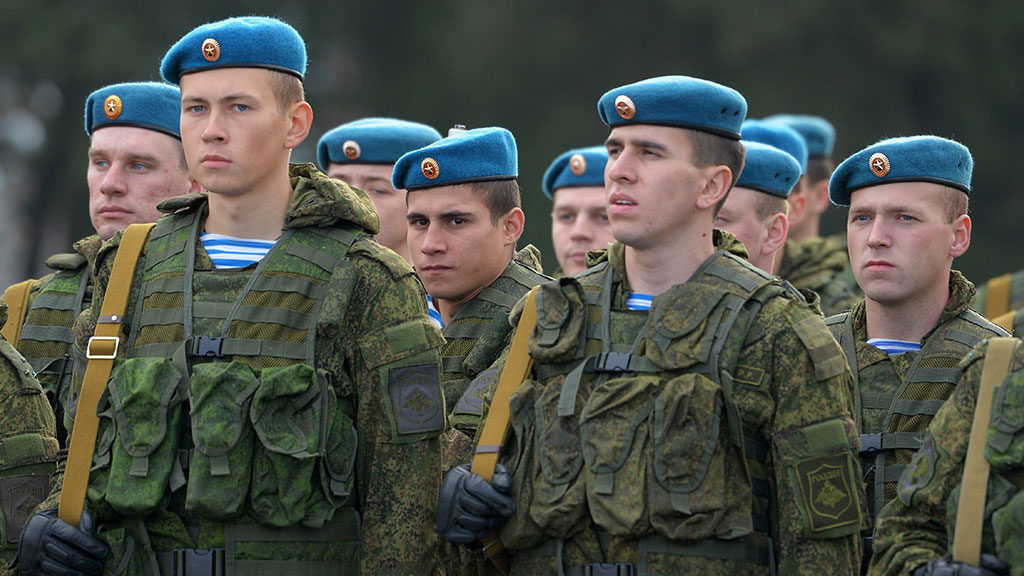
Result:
[333,360]
[28,447]
[55,302]
[821,265]
[643,452]
[992,309]
[897,396]
[917,527]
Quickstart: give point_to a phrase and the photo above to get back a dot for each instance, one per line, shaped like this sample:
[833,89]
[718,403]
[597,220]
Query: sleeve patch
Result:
[919,472]
[828,496]
[748,375]
[416,399]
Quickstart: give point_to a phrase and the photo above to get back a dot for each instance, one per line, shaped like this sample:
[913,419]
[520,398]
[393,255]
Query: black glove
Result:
[469,508]
[945,566]
[51,546]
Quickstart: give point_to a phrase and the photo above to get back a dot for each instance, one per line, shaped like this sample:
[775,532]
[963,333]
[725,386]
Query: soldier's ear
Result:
[512,224]
[718,183]
[961,235]
[300,114]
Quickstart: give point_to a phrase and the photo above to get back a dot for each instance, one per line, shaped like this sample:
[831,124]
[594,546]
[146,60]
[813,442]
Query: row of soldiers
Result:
[301,366]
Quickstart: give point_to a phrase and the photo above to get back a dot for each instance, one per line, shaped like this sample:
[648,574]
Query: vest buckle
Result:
[207,346]
[870,443]
[196,562]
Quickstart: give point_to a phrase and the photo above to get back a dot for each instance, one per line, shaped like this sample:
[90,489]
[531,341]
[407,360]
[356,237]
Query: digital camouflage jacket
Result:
[821,265]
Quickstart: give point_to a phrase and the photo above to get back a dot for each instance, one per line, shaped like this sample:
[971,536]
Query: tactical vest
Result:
[475,338]
[893,410]
[220,396]
[46,338]
[635,435]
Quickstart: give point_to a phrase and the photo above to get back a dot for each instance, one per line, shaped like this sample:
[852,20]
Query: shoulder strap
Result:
[101,352]
[495,429]
[1005,321]
[971,508]
[16,298]
[998,301]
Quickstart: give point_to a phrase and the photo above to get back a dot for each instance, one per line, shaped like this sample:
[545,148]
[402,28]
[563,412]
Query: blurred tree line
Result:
[875,69]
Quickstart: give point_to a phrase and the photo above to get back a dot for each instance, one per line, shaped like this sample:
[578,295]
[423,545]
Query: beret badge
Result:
[578,164]
[879,164]
[211,50]
[351,149]
[430,168]
[112,106]
[625,107]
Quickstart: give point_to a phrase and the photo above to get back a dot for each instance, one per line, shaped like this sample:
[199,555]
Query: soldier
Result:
[579,223]
[27,435]
[1001,298]
[135,162]
[908,221]
[685,413]
[363,153]
[755,210]
[916,530]
[819,137]
[280,395]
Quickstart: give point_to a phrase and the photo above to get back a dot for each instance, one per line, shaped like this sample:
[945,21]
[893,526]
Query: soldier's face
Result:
[902,243]
[579,224]
[456,249]
[131,170]
[739,216]
[375,180]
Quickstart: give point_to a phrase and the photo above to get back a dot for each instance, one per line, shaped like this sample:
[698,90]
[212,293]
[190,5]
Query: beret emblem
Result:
[430,168]
[112,106]
[879,164]
[351,149]
[211,50]
[578,164]
[625,107]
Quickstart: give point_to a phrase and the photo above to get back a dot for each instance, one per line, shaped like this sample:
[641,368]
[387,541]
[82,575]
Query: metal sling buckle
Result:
[91,356]
[196,562]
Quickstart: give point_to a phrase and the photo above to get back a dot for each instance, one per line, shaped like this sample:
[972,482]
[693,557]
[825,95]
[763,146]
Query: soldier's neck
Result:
[908,321]
[656,268]
[254,214]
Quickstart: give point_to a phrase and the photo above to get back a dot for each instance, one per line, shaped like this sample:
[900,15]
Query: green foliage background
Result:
[875,69]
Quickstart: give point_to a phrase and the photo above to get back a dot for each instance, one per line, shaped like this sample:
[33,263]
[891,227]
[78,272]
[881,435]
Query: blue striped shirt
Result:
[894,347]
[637,301]
[229,252]
[435,316]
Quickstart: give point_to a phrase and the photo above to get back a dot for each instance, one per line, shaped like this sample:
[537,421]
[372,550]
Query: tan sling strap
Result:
[970,511]
[495,429]
[998,301]
[16,298]
[101,353]
[1005,321]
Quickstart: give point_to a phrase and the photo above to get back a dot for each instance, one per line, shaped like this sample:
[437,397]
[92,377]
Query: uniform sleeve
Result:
[817,491]
[911,529]
[392,358]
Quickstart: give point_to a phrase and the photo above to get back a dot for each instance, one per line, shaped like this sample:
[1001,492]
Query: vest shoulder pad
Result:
[367,247]
[177,203]
[70,261]
[23,375]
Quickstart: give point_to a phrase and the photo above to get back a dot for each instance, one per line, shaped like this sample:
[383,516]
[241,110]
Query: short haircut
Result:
[818,168]
[713,150]
[768,206]
[287,89]
[500,196]
[956,204]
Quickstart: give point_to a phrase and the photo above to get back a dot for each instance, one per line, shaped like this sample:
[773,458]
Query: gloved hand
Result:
[945,566]
[51,546]
[470,508]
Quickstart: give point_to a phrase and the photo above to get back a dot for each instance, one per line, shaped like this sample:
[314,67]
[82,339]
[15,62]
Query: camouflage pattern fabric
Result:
[1016,293]
[790,387]
[28,442]
[822,265]
[916,527]
[376,351]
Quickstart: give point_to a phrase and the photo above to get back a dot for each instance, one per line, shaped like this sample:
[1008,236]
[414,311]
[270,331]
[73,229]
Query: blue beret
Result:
[150,105]
[779,136]
[676,101]
[471,156]
[768,169]
[372,141]
[247,42]
[577,167]
[910,159]
[818,133]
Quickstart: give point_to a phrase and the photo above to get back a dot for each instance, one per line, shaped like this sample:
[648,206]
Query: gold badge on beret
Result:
[211,50]
[578,164]
[879,164]
[625,107]
[430,168]
[351,149]
[112,106]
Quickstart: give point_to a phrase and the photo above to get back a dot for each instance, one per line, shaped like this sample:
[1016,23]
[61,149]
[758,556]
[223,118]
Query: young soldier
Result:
[685,413]
[819,137]
[755,210]
[908,221]
[579,223]
[363,153]
[135,162]
[293,368]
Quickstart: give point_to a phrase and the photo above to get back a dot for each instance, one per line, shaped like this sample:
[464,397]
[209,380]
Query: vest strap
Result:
[16,298]
[998,301]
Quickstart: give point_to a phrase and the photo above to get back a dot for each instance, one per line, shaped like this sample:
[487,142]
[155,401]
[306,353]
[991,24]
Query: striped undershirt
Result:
[894,347]
[637,301]
[435,316]
[229,252]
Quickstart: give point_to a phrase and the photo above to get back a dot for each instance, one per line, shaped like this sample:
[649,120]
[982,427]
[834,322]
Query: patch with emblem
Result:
[578,164]
[21,495]
[919,472]
[351,149]
[112,106]
[211,50]
[625,107]
[416,398]
[430,168]
[748,375]
[827,493]
[879,164]
[472,400]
